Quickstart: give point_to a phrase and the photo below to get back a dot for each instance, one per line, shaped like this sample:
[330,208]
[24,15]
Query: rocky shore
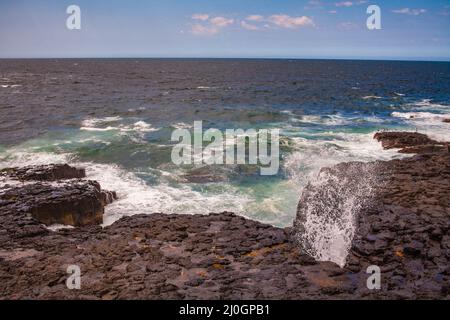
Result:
[400,211]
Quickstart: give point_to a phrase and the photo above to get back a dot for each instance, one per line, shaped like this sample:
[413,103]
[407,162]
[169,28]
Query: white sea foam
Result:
[331,208]
[10,85]
[372,97]
[331,120]
[329,225]
[429,123]
[421,116]
[17,157]
[182,125]
[99,129]
[427,104]
[57,227]
[94,124]
[135,196]
[334,120]
[312,155]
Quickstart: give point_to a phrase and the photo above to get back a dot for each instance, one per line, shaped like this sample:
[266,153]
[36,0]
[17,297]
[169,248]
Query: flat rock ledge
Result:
[53,194]
[52,172]
[404,229]
[411,142]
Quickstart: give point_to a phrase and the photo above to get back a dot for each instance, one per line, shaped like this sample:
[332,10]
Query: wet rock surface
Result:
[404,231]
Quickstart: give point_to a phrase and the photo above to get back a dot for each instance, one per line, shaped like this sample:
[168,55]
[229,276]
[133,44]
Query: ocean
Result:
[115,118]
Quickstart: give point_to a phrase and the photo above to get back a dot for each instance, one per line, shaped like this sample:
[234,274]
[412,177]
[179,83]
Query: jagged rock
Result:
[50,172]
[399,140]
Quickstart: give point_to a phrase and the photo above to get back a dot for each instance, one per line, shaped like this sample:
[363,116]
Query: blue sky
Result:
[226,28]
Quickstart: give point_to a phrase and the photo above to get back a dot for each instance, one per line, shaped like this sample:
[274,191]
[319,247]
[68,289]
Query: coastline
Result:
[404,230]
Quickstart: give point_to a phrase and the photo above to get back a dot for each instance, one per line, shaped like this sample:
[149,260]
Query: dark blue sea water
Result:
[115,117]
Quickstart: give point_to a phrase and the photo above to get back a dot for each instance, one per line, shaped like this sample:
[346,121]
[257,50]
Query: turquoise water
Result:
[123,138]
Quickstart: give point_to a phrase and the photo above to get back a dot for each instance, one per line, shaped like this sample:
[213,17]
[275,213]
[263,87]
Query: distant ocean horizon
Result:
[196,57]
[115,117]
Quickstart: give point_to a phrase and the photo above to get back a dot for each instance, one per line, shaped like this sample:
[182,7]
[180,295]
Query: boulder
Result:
[54,194]
[75,203]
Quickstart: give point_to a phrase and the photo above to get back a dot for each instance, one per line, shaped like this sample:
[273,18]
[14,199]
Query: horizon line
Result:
[233,58]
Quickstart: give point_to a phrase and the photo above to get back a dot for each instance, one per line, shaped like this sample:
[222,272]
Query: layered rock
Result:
[63,201]
[77,203]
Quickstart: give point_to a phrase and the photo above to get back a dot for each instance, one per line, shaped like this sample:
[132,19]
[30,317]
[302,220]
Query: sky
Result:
[410,30]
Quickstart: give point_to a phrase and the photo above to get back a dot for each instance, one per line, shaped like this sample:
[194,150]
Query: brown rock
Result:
[50,172]
[398,140]
[75,203]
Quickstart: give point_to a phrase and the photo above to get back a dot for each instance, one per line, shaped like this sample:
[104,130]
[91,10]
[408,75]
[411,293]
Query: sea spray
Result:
[329,208]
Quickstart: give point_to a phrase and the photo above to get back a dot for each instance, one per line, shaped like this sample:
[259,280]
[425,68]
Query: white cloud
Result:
[344,4]
[206,25]
[200,16]
[411,12]
[332,11]
[255,17]
[210,25]
[289,22]
[249,26]
[201,30]
[221,21]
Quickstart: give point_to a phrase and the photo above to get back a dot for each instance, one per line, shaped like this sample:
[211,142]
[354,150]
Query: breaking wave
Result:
[329,208]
